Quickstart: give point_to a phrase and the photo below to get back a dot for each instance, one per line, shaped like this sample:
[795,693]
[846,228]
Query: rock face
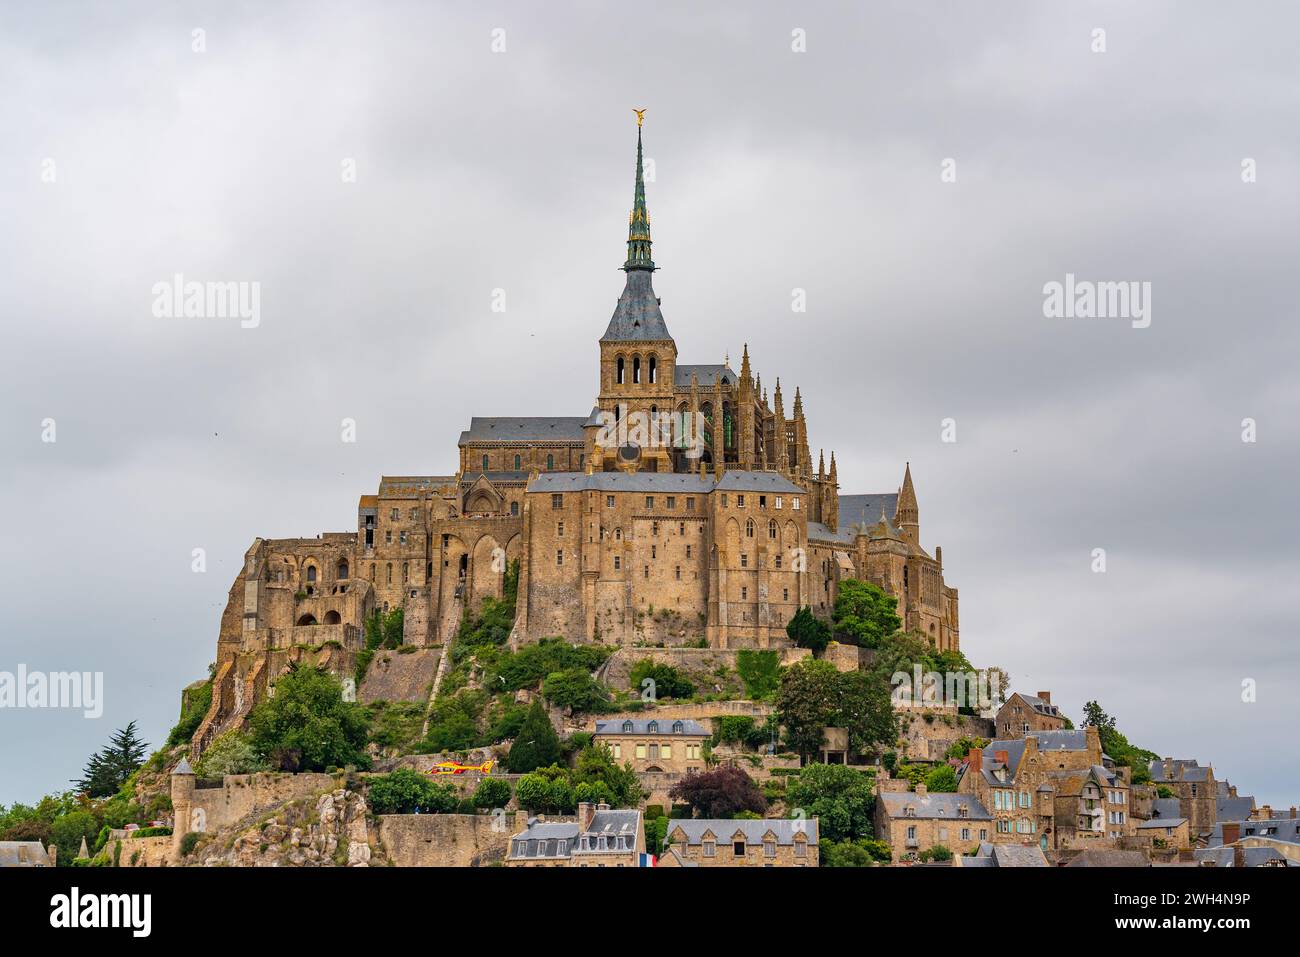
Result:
[330,830]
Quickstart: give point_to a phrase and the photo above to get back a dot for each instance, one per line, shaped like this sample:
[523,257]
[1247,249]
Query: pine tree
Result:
[106,771]
[536,745]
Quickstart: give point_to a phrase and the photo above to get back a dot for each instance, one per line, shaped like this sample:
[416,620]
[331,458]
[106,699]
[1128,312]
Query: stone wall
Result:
[928,740]
[699,664]
[445,840]
[143,851]
[243,794]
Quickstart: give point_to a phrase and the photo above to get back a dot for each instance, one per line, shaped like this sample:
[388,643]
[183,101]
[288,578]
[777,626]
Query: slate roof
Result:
[637,317]
[706,374]
[725,828]
[737,480]
[1233,808]
[1166,807]
[469,478]
[667,482]
[1039,705]
[641,726]
[934,806]
[542,839]
[855,509]
[1105,857]
[1006,855]
[1279,828]
[1180,770]
[1226,856]
[514,428]
[615,822]
[23,854]
[1063,740]
[1161,822]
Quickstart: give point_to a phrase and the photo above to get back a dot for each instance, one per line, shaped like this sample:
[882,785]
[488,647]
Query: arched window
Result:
[550,463]
[636,370]
[514,509]
[620,370]
[343,568]
[485,463]
[518,462]
[771,529]
[654,368]
[311,573]
[333,618]
[749,528]
[307,620]
[390,573]
[406,572]
[618,534]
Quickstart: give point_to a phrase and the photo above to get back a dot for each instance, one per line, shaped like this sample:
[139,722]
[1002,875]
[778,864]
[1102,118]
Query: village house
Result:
[914,822]
[1052,788]
[599,837]
[1165,832]
[657,744]
[733,842]
[1024,714]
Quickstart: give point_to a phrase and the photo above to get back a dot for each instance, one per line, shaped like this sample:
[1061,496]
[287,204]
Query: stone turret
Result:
[182,783]
[907,516]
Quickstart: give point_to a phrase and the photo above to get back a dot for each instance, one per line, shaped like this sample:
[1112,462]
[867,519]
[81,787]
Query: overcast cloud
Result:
[775,170]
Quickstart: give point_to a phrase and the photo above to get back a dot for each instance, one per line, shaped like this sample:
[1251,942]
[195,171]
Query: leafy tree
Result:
[67,831]
[939,852]
[229,753]
[841,798]
[722,792]
[859,853]
[307,726]
[669,682]
[656,832]
[864,613]
[942,780]
[574,689]
[527,667]
[1117,746]
[546,790]
[963,746]
[406,791]
[537,745]
[492,792]
[618,785]
[453,722]
[806,630]
[814,695]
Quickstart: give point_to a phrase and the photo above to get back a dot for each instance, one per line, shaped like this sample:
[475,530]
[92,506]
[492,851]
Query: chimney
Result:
[921,790]
[1002,757]
[521,820]
[1231,832]
[1238,856]
[586,811]
[975,760]
[1046,696]
[1293,814]
[1092,736]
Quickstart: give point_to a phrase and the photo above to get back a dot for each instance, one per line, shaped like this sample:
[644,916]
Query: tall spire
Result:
[638,221]
[907,515]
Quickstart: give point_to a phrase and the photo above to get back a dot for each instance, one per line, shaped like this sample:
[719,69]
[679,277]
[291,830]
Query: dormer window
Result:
[652,727]
[627,727]
[909,811]
[678,727]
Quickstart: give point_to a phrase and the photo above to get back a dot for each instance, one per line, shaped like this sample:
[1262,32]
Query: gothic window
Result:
[518,462]
[771,529]
[620,374]
[749,528]
[390,573]
[311,573]
[406,572]
[343,568]
[636,370]
[485,463]
[550,463]
[514,509]
[654,368]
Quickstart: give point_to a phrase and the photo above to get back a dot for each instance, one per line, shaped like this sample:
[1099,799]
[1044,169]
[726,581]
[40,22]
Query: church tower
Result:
[907,516]
[638,357]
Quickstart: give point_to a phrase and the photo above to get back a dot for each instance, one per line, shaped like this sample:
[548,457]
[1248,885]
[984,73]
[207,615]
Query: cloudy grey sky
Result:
[775,170]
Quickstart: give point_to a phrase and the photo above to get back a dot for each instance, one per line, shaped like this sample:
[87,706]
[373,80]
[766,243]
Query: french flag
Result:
[647,860]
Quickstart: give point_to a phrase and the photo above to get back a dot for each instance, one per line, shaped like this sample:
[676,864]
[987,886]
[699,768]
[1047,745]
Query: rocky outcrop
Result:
[330,830]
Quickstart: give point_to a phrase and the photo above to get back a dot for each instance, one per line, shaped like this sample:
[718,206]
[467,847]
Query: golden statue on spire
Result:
[640,117]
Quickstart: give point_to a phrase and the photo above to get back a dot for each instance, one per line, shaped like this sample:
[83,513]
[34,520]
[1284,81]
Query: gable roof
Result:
[1178,769]
[706,375]
[1106,857]
[516,428]
[724,829]
[641,726]
[934,806]
[683,482]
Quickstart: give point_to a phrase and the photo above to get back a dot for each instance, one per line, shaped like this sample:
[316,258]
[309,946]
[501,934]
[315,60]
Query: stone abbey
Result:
[718,534]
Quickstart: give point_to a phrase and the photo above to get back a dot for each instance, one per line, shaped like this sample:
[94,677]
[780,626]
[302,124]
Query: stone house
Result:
[598,837]
[1195,788]
[27,854]
[912,822]
[1051,788]
[1024,714]
[654,744]
[734,842]
[1171,831]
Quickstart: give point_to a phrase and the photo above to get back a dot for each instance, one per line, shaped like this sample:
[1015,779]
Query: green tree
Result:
[668,681]
[546,790]
[865,710]
[760,671]
[307,726]
[942,780]
[1117,746]
[806,630]
[619,785]
[537,745]
[492,793]
[406,791]
[108,770]
[806,704]
[230,753]
[67,831]
[574,689]
[864,613]
[841,798]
